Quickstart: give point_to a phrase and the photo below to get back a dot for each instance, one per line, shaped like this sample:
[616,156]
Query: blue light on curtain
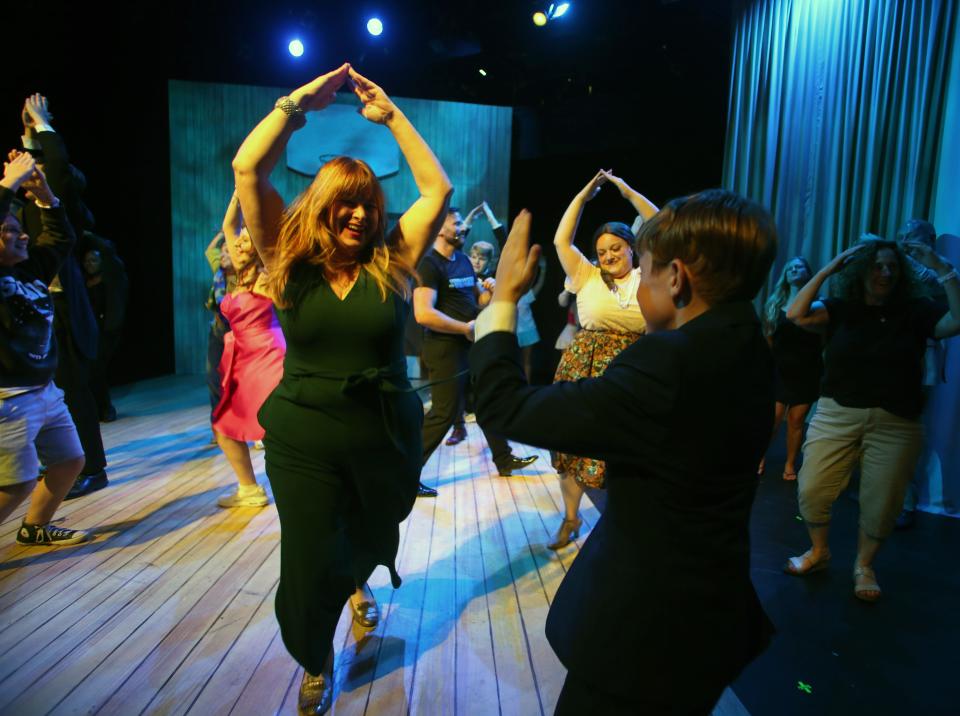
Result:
[834,115]
[837,121]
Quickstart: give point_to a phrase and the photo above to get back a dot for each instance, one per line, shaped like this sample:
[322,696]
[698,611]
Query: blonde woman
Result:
[251,363]
[343,427]
[798,355]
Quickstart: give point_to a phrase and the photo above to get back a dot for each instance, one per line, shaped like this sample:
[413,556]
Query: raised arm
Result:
[212,252]
[418,224]
[570,256]
[261,150]
[232,224]
[949,325]
[53,244]
[643,206]
[809,313]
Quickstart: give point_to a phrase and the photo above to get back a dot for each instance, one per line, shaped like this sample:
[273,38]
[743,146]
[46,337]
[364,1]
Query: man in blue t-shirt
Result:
[446,305]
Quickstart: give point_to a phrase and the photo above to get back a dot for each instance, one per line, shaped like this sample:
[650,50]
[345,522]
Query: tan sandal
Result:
[569,531]
[804,564]
[865,580]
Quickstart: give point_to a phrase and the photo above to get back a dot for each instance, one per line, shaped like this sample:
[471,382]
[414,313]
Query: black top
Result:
[455,284]
[874,354]
[66,185]
[28,350]
[682,418]
[798,354]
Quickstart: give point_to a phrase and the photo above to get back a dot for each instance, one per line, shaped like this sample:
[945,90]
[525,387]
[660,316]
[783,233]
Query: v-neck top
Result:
[339,337]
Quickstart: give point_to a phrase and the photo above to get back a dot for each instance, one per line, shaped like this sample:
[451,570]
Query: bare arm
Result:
[212,252]
[259,154]
[427,315]
[232,223]
[570,256]
[809,313]
[418,224]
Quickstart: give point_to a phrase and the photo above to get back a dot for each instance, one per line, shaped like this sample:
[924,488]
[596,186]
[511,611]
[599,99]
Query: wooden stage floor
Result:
[170,609]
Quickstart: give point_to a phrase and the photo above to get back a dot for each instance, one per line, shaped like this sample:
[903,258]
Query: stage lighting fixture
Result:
[539,19]
[374,26]
[483,72]
[295,47]
[561,9]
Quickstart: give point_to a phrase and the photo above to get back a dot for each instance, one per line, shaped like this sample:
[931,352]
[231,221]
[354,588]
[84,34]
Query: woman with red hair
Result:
[343,426]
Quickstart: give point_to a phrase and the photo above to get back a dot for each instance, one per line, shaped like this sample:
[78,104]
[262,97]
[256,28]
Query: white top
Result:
[601,309]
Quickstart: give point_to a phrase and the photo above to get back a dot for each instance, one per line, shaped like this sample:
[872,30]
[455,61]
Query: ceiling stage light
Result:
[561,9]
[539,19]
[483,72]
[374,26]
[296,48]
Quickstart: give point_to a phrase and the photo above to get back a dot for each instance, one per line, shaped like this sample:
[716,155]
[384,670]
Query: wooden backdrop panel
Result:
[209,121]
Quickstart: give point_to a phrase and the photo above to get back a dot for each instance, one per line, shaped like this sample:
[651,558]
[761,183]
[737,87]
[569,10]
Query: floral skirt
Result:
[587,357]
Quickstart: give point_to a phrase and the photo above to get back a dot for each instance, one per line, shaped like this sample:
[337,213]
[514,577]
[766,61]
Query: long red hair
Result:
[307,232]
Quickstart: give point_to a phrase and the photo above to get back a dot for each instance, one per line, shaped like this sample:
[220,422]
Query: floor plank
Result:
[169,610]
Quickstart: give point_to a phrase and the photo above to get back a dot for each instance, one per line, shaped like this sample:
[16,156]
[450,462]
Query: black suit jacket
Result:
[659,598]
[68,187]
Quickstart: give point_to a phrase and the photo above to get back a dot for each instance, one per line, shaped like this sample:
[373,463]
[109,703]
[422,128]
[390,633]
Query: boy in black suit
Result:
[657,614]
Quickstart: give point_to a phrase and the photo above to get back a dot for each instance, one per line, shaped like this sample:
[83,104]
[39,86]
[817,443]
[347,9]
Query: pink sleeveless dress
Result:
[251,366]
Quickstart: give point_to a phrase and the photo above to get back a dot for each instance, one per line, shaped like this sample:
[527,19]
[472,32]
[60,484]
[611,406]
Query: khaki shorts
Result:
[886,447]
[35,426]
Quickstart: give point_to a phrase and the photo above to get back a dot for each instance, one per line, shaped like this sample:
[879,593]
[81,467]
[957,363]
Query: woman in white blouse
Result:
[610,320]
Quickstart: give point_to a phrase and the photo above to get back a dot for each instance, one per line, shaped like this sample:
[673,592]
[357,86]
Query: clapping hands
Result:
[21,172]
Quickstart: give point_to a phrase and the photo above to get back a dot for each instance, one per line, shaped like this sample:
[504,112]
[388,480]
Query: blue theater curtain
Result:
[838,121]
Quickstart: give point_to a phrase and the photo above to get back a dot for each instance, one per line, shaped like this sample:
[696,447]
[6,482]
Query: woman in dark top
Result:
[343,426]
[870,405]
[798,356]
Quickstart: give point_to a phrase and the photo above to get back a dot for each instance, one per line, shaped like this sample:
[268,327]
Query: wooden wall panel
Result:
[209,121]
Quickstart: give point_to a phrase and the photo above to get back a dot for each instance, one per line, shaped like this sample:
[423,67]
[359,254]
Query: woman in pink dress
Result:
[252,362]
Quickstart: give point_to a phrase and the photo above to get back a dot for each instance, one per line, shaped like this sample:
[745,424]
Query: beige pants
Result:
[887,448]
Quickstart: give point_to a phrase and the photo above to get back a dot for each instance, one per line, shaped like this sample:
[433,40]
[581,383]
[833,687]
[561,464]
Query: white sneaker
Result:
[254,496]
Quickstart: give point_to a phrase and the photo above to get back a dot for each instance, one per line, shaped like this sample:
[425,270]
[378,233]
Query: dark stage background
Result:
[639,87]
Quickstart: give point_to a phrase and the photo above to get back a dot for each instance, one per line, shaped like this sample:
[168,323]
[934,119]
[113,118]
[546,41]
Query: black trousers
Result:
[73,378]
[445,358]
[579,697]
[99,370]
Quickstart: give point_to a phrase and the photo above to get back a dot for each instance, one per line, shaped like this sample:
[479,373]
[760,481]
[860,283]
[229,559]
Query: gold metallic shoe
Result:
[316,694]
[569,531]
[365,614]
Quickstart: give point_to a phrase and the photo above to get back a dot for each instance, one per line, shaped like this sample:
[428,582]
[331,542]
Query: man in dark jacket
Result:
[657,614]
[34,422]
[75,323]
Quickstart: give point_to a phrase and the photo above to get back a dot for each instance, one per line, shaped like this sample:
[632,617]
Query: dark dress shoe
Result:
[458,435]
[316,694]
[424,491]
[515,463]
[86,484]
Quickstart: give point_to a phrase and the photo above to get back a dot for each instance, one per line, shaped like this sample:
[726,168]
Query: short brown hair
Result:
[727,241]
